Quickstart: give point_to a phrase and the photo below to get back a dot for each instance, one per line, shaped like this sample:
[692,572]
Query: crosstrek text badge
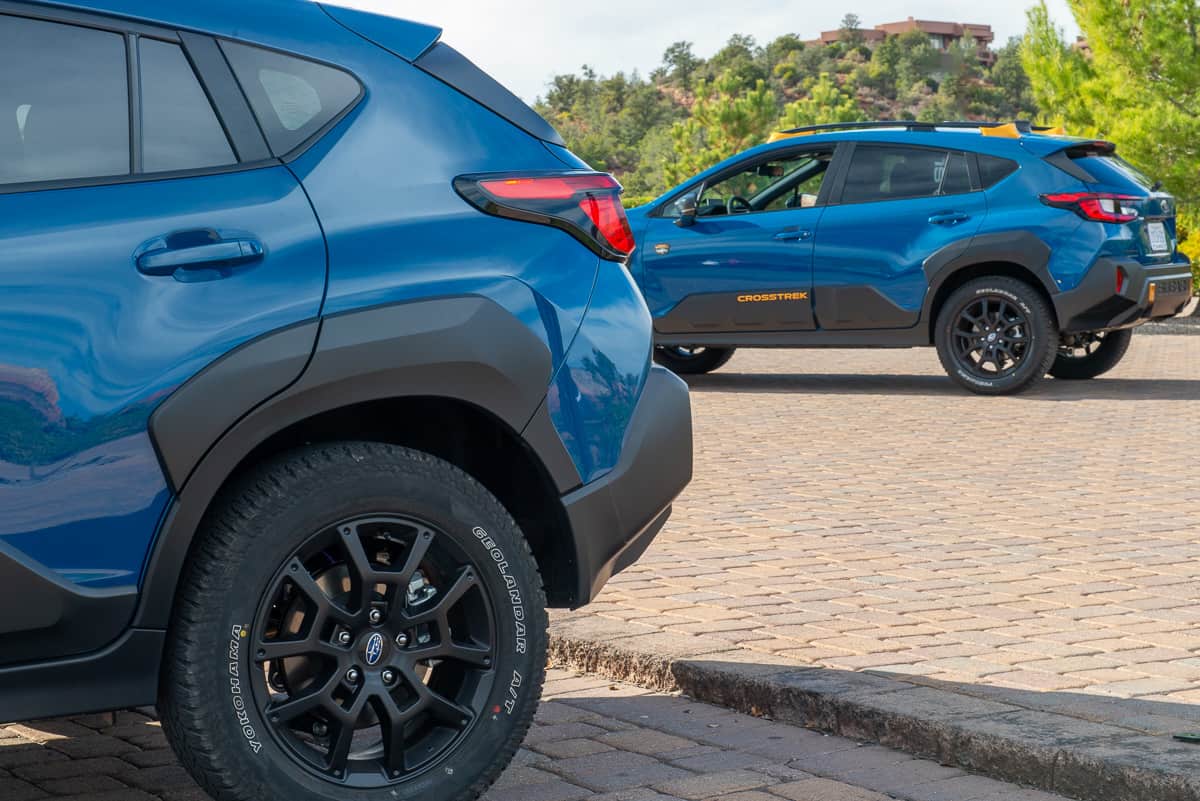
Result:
[772,297]
[662,248]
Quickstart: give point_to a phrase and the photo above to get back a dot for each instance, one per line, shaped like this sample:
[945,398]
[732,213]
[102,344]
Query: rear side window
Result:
[993,170]
[294,99]
[896,173]
[64,102]
[180,130]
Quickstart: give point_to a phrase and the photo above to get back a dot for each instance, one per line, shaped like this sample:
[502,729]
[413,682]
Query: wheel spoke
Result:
[445,710]
[270,650]
[444,602]
[317,698]
[339,747]
[416,555]
[476,655]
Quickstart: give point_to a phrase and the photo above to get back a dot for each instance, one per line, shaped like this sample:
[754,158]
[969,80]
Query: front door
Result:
[899,205]
[125,271]
[745,265]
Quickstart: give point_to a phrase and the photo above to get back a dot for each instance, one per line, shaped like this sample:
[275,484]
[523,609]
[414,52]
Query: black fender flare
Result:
[465,347]
[1022,248]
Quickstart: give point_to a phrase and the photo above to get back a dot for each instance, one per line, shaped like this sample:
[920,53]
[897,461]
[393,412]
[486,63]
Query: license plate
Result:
[1158,237]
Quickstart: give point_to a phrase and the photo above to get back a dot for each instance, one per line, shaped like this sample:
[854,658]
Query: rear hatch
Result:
[1127,197]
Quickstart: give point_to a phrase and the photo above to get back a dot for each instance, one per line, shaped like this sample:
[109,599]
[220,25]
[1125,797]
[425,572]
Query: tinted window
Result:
[292,98]
[64,102]
[993,170]
[180,130]
[893,173]
[791,182]
[1115,171]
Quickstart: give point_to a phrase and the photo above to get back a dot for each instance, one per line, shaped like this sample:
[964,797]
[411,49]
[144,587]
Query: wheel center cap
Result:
[372,649]
[992,337]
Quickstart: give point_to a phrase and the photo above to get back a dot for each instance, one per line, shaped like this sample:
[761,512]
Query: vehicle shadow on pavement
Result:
[1118,389]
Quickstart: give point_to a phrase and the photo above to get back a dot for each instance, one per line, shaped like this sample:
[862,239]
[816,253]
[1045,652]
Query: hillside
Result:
[691,112]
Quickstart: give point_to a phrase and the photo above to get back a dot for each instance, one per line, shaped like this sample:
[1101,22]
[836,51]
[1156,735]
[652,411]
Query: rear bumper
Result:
[1149,293]
[614,519]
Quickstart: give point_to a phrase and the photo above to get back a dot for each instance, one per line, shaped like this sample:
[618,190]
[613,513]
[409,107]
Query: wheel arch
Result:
[444,376]
[1020,255]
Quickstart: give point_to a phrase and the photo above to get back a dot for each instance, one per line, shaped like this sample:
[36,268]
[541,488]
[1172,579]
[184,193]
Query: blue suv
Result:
[321,377]
[1016,251]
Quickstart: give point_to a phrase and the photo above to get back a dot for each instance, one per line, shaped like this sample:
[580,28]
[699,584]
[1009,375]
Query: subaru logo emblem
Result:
[374,649]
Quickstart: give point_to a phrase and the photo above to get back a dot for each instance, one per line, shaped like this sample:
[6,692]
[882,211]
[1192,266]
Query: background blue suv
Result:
[320,377]
[1016,252]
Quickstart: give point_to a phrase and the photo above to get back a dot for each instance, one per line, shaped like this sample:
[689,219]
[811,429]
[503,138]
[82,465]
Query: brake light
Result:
[1095,206]
[586,205]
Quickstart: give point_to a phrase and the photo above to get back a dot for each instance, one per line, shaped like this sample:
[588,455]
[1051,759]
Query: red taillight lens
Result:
[1095,206]
[609,217]
[585,204]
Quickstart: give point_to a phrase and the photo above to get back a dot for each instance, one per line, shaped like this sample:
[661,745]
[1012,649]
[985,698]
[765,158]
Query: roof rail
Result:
[1010,130]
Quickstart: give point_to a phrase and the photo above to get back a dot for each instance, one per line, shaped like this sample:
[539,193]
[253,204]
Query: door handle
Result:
[167,260]
[793,235]
[949,218]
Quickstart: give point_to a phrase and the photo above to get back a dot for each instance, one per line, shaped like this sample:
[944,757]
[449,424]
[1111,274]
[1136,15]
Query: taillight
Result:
[586,205]
[1095,206]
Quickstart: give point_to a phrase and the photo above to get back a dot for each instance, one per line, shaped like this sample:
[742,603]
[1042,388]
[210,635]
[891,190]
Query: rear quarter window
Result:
[993,170]
[294,99]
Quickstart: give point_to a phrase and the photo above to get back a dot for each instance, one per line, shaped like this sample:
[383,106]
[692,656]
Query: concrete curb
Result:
[1052,752]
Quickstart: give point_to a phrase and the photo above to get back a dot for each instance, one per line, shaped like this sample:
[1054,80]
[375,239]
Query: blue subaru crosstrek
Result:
[1015,251]
[321,376]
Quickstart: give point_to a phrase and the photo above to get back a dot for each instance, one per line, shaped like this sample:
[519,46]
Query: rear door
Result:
[144,236]
[897,206]
[745,265]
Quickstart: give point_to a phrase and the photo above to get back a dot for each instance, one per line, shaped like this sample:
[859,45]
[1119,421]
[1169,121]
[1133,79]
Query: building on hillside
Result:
[943,35]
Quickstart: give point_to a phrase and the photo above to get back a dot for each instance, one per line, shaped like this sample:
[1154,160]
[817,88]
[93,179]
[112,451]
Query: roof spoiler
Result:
[400,37]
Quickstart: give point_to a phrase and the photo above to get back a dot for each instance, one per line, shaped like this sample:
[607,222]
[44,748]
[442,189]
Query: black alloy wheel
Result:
[991,337]
[375,650]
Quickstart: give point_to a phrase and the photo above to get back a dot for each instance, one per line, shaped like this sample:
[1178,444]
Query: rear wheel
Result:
[1084,356]
[692,359]
[358,621]
[996,336]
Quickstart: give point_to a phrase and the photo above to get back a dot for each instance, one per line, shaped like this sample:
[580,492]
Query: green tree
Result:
[1136,84]
[851,31]
[826,103]
[725,120]
[681,63]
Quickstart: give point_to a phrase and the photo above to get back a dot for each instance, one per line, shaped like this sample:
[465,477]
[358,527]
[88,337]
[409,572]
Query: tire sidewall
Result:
[479,528]
[1032,367]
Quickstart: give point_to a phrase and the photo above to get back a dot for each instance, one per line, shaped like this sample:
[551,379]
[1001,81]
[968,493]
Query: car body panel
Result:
[92,346]
[731,256]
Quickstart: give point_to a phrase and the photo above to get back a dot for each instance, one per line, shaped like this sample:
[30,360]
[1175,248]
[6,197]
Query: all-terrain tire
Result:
[692,361]
[1035,338]
[207,697]
[1112,348]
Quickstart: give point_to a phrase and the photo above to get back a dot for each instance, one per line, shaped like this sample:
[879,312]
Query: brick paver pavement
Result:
[592,740]
[856,510]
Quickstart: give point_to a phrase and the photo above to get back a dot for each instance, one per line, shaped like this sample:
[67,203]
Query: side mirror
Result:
[687,209]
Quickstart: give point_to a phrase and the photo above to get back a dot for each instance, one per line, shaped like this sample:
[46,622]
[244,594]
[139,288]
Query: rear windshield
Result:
[1113,170]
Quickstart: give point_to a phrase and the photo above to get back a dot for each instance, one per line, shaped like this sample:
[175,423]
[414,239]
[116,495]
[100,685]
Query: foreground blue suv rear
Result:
[321,377]
[1017,252]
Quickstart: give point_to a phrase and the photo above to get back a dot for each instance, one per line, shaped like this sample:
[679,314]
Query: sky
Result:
[523,43]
